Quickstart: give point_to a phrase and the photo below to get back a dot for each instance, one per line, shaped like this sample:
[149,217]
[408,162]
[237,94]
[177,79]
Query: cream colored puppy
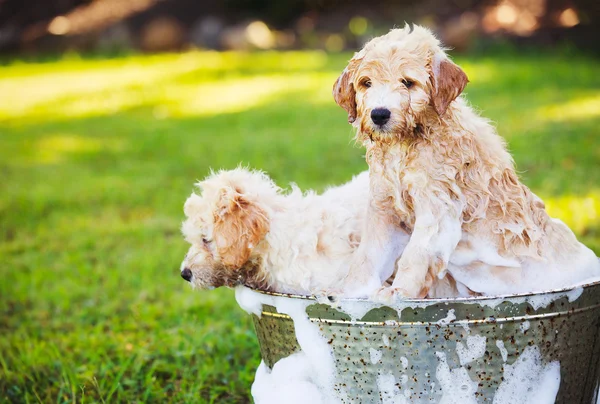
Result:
[440,172]
[244,230]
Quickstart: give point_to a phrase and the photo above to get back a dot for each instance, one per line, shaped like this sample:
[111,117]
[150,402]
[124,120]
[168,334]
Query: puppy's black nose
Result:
[380,116]
[186,274]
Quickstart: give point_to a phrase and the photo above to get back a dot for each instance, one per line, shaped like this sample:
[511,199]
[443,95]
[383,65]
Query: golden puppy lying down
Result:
[440,172]
[244,230]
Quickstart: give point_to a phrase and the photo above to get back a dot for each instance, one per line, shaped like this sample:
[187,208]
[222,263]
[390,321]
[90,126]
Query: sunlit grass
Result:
[83,88]
[98,155]
[579,108]
[579,212]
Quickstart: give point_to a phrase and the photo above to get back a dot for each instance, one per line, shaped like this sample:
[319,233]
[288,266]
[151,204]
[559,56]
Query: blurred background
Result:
[33,26]
[110,111]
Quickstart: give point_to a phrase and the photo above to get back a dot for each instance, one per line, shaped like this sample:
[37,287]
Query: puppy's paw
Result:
[389,294]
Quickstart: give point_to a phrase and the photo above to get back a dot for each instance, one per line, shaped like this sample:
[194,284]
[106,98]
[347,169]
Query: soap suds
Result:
[449,318]
[457,386]
[529,380]
[404,362]
[474,350]
[250,301]
[536,301]
[312,369]
[389,391]
[375,355]
[502,348]
[524,326]
[386,340]
[357,309]
[290,381]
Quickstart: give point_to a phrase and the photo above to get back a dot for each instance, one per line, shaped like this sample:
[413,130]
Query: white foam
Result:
[386,340]
[524,326]
[249,301]
[536,301]
[529,380]
[312,369]
[449,318]
[474,350]
[290,381]
[502,348]
[389,391]
[457,386]
[375,355]
[357,309]
[404,362]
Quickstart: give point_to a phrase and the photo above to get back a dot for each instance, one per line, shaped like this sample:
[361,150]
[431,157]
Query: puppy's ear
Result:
[343,89]
[192,205]
[447,82]
[239,226]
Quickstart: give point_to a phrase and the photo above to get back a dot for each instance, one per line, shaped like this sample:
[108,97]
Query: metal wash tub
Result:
[407,341]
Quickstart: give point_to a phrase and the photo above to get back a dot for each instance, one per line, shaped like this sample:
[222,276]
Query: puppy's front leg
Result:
[436,233]
[373,262]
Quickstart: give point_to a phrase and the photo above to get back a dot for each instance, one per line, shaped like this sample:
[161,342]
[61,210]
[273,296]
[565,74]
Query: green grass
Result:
[97,157]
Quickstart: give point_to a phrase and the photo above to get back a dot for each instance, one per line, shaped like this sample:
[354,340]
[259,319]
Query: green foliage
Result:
[97,157]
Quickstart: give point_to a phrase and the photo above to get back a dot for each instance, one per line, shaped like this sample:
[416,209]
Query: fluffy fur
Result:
[440,172]
[244,230]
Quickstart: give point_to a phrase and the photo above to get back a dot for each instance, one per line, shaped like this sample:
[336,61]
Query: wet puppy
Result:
[244,230]
[440,172]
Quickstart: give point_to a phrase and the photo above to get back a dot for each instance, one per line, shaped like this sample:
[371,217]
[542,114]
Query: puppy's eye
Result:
[366,83]
[205,241]
[408,83]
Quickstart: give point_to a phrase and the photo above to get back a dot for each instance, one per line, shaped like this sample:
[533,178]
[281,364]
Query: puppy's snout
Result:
[186,274]
[380,116]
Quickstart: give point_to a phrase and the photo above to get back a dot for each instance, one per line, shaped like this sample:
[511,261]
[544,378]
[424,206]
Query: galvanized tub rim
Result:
[441,300]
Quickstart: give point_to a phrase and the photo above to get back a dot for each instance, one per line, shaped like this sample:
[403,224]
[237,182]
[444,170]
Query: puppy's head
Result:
[395,81]
[224,225]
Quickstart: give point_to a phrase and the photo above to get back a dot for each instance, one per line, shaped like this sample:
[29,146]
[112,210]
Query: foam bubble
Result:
[357,309]
[529,380]
[536,301]
[249,300]
[474,350]
[389,391]
[375,355]
[502,348]
[524,326]
[457,386]
[449,318]
[386,340]
[404,362]
[290,381]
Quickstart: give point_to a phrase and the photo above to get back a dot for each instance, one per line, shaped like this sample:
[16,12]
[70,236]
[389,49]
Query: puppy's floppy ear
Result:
[447,82]
[344,93]
[240,225]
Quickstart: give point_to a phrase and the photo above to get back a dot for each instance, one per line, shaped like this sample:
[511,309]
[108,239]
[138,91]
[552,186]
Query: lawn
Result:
[98,155]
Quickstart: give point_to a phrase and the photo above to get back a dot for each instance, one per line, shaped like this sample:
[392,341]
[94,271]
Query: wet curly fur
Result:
[441,172]
[244,230]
